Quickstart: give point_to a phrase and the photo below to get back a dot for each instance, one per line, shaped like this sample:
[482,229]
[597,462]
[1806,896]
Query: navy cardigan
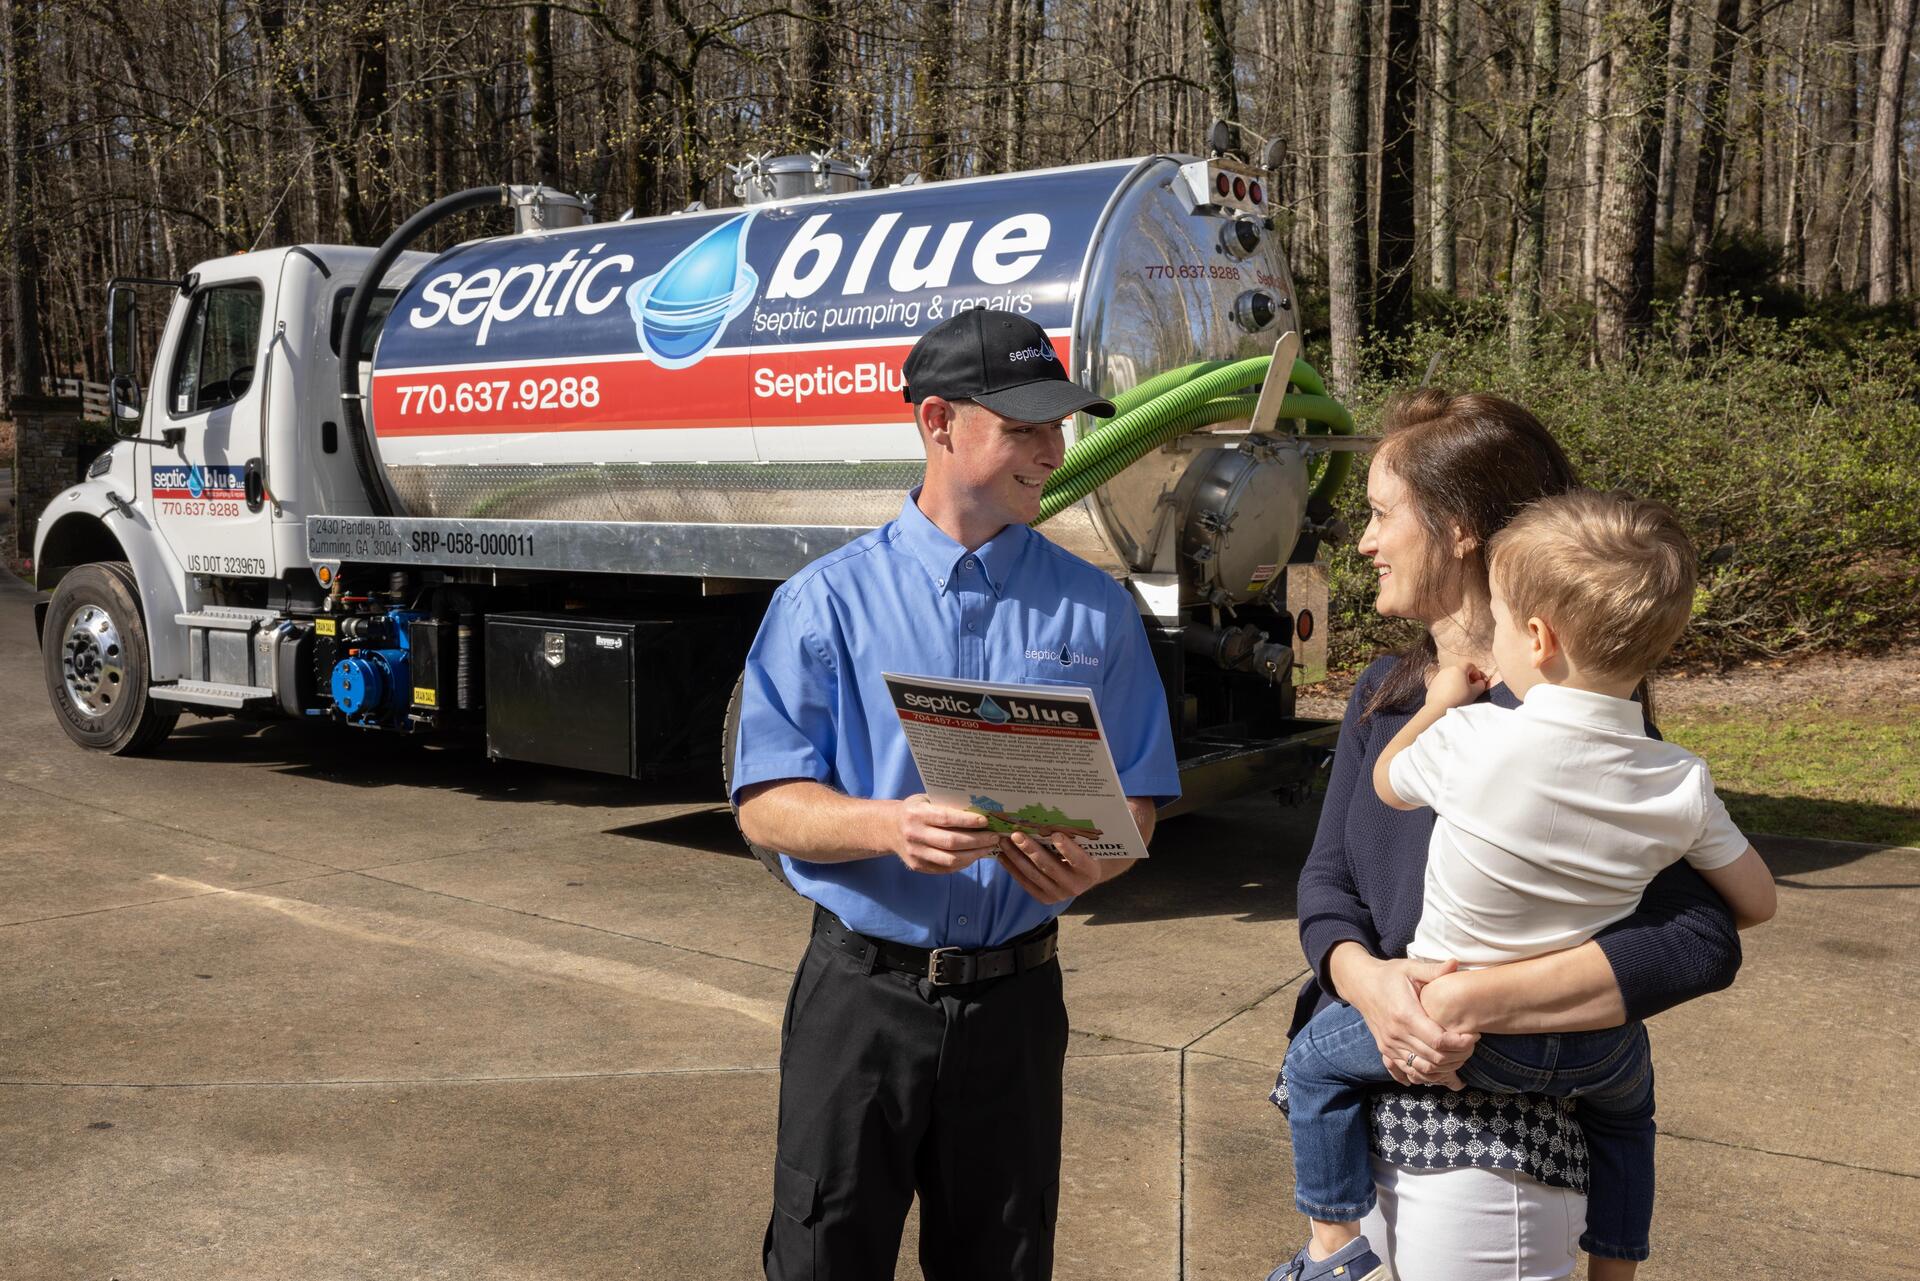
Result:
[1364,879]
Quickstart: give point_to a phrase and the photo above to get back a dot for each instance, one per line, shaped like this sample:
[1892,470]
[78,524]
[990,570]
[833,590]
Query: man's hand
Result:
[1456,686]
[937,839]
[1056,874]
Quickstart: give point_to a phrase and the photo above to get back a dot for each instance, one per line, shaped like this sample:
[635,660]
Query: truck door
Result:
[208,492]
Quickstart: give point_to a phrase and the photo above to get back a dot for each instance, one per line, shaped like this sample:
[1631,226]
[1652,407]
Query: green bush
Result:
[1792,454]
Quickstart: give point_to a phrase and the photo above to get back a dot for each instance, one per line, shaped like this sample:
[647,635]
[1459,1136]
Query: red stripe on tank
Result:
[841,386]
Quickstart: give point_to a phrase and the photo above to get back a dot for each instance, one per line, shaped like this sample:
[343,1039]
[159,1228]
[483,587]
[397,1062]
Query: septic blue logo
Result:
[681,310]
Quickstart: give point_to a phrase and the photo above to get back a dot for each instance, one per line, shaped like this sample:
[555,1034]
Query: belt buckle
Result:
[939,959]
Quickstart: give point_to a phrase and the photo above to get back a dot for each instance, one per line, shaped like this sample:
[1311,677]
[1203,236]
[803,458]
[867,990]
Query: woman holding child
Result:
[1472,1185]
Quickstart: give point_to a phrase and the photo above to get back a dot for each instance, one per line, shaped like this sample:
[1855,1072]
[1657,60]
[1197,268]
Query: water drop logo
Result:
[681,310]
[1066,657]
[195,484]
[992,713]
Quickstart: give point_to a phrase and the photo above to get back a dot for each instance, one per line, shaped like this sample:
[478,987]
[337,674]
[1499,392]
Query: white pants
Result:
[1471,1224]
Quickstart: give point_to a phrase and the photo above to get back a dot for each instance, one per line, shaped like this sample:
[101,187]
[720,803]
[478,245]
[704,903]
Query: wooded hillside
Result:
[1545,153]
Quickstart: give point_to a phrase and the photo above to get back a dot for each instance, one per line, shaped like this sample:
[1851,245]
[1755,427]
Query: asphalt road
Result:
[294,1002]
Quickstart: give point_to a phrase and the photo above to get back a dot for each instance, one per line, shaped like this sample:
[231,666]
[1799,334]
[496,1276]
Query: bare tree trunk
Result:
[22,19]
[1792,233]
[1446,38]
[543,118]
[1882,284]
[1593,91]
[1713,145]
[1346,194]
[1752,135]
[991,144]
[1836,138]
[1679,38]
[443,115]
[813,128]
[1223,95]
[646,138]
[933,62]
[1308,190]
[1023,42]
[1634,103]
[1393,303]
[1530,238]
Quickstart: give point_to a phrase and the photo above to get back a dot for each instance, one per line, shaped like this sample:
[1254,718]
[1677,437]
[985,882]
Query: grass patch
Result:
[1814,773]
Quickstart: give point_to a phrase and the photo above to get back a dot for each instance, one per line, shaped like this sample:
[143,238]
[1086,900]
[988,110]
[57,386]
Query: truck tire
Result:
[97,663]
[729,735]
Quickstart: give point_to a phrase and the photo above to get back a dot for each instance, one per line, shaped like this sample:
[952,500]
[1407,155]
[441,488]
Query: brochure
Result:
[1031,758]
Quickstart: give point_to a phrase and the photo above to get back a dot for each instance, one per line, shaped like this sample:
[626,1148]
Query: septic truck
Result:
[538,489]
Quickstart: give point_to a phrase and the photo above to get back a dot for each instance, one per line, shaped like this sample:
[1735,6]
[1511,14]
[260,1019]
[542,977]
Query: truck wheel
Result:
[730,735]
[97,664]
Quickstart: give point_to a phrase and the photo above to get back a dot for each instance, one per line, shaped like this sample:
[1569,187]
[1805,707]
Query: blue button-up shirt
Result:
[907,598]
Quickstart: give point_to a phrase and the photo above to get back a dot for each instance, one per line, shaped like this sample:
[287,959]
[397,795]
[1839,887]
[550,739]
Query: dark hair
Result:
[1470,462]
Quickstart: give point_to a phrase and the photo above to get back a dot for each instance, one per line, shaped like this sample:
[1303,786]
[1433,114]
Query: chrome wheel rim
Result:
[93,660]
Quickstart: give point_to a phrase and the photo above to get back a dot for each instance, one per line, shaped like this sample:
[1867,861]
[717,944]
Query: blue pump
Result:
[374,685]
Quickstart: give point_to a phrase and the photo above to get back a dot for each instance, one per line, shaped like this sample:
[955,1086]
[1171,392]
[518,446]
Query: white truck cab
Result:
[235,440]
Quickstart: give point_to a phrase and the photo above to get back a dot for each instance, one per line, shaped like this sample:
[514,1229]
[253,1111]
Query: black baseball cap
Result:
[1003,361]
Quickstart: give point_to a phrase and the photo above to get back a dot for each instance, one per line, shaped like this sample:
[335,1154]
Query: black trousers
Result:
[890,1087]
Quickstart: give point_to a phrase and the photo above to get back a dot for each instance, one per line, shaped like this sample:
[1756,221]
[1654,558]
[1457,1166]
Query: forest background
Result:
[1679,230]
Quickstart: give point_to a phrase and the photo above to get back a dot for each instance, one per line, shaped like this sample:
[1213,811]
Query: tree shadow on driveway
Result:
[340,754]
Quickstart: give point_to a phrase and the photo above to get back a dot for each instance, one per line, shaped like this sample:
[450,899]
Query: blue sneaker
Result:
[1354,1261]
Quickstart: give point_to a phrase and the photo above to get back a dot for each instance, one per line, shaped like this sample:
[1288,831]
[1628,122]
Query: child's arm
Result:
[1450,687]
[1747,886]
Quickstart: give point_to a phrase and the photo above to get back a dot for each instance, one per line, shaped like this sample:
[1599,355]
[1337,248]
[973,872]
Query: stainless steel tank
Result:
[742,367]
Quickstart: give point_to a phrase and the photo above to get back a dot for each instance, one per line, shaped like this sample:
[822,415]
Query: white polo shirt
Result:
[1549,820]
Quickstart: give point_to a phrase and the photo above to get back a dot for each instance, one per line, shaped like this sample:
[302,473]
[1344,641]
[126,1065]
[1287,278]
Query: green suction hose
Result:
[1145,436]
[1134,397]
[1182,400]
[1308,379]
[1124,432]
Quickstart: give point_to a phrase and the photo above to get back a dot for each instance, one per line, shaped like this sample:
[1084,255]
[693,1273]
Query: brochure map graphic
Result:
[1034,820]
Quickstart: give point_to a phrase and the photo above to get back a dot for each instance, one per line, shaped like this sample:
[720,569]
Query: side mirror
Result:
[123,338]
[123,402]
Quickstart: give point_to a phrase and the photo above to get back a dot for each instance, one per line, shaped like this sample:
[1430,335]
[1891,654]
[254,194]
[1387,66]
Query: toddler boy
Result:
[1549,820]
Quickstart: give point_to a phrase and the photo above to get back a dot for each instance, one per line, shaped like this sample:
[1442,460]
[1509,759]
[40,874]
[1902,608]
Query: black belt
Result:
[941,966]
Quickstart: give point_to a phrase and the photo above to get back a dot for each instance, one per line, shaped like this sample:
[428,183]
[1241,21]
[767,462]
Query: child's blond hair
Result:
[1612,575]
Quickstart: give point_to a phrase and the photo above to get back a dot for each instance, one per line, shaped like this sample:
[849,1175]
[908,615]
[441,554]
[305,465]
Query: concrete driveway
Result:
[292,1002]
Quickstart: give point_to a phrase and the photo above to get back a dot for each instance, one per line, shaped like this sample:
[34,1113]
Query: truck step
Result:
[209,694]
[227,618]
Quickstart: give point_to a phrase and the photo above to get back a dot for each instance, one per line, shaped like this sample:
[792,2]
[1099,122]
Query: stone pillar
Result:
[48,438]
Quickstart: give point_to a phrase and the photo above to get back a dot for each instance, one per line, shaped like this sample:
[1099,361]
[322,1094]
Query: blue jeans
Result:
[1333,1068]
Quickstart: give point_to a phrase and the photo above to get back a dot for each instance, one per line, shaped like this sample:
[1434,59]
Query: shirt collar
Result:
[1584,707]
[940,555]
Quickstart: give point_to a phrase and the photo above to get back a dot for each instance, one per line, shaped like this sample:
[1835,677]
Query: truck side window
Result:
[215,360]
[376,318]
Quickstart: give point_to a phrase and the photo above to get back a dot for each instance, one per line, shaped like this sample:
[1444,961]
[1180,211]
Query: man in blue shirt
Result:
[925,1033]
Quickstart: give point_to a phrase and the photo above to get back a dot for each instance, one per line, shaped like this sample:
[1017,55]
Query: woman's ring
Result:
[1411,1057]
